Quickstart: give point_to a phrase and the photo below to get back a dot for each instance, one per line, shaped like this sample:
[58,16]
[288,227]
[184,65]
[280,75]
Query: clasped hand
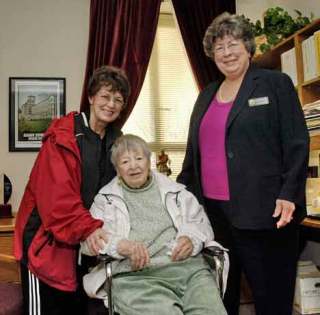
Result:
[139,256]
[137,253]
[183,249]
[97,240]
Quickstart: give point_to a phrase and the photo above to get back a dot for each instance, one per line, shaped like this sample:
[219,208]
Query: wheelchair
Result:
[214,256]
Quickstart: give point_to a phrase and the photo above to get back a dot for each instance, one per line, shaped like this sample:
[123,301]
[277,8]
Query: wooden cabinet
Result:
[9,268]
[308,91]
[312,223]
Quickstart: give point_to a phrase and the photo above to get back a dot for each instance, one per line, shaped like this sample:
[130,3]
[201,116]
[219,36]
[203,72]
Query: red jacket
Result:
[54,190]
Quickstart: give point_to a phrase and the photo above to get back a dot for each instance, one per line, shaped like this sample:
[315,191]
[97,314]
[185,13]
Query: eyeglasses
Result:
[117,101]
[232,46]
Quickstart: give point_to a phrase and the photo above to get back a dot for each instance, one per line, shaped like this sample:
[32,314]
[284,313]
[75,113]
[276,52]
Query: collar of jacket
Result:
[61,131]
[247,86]
[165,185]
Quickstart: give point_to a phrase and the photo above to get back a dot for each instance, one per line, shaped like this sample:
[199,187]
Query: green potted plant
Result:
[277,25]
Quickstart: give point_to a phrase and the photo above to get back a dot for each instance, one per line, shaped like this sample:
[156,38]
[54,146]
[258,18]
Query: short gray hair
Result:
[229,24]
[126,143]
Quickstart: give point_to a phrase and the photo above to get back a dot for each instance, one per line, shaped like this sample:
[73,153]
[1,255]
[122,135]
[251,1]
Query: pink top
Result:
[214,172]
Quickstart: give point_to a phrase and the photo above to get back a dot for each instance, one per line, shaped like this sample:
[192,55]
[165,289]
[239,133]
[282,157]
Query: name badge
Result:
[258,101]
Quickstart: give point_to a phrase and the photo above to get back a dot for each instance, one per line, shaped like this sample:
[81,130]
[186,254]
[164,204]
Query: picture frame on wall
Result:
[33,103]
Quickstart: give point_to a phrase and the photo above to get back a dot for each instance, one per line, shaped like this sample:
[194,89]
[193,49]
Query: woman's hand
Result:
[285,209]
[183,249]
[96,240]
[136,252]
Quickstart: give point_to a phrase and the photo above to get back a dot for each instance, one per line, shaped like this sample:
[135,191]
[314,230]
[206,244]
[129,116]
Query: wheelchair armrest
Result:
[214,255]
[213,251]
[105,258]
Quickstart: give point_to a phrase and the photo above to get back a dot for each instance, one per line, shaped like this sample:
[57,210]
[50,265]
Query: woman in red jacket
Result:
[73,163]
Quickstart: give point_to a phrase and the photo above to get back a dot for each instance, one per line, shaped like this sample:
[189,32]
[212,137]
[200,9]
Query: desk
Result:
[9,271]
[313,223]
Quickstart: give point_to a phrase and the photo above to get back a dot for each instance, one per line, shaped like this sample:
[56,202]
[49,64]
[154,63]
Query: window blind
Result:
[162,112]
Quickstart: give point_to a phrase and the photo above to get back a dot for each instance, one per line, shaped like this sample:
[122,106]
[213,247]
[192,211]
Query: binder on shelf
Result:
[289,64]
[309,58]
[317,50]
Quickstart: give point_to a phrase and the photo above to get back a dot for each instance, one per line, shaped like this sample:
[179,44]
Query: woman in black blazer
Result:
[246,161]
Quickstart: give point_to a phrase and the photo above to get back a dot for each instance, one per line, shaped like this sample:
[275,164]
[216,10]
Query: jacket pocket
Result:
[270,187]
[46,241]
[53,263]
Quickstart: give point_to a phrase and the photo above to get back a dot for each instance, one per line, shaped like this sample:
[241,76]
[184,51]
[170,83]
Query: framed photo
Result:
[34,103]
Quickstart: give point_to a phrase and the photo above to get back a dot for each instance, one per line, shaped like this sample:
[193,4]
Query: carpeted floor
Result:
[247,309]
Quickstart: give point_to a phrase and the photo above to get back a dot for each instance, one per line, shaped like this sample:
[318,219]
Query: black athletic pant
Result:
[268,259]
[39,298]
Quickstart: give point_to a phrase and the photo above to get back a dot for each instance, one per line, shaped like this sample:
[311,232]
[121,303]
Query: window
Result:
[162,112]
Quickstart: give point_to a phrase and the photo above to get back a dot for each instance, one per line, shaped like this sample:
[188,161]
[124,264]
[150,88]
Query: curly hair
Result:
[109,76]
[229,24]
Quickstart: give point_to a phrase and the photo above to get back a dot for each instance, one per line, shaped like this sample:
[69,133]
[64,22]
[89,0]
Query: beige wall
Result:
[254,9]
[39,38]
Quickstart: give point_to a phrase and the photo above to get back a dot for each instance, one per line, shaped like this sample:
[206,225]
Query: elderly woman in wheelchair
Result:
[157,230]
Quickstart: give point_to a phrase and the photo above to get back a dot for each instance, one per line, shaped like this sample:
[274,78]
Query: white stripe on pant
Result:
[34,295]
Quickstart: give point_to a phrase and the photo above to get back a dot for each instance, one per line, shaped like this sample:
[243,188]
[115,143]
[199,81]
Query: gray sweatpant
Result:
[187,287]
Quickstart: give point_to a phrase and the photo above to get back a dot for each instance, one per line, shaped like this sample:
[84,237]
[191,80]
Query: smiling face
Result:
[133,167]
[231,56]
[105,106]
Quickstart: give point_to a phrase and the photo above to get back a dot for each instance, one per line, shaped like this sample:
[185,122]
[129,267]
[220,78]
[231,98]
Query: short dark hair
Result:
[229,24]
[109,76]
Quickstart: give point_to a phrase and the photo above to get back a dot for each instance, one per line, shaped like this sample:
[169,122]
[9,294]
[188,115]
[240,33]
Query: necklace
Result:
[220,98]
[233,89]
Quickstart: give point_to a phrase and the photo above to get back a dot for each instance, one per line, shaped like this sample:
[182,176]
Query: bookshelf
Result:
[308,91]
[300,62]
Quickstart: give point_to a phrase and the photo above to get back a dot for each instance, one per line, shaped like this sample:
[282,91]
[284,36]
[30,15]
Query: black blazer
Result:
[267,148]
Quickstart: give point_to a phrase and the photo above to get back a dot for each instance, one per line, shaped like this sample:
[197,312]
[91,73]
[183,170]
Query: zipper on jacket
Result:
[107,196]
[177,204]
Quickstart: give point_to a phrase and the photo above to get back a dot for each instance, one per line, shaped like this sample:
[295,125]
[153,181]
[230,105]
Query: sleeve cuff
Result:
[197,243]
[111,247]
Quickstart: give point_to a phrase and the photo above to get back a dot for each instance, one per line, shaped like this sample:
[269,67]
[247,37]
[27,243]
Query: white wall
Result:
[254,9]
[39,38]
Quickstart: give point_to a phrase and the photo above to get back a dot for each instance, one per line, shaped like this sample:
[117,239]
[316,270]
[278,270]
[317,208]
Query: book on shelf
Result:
[311,109]
[313,123]
[289,64]
[313,196]
[314,132]
[309,58]
[317,49]
[304,60]
[312,115]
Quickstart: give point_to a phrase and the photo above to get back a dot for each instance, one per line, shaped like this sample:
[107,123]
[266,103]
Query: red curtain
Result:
[193,18]
[121,34]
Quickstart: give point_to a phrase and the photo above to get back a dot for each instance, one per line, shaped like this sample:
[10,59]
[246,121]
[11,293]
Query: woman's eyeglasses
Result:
[232,46]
